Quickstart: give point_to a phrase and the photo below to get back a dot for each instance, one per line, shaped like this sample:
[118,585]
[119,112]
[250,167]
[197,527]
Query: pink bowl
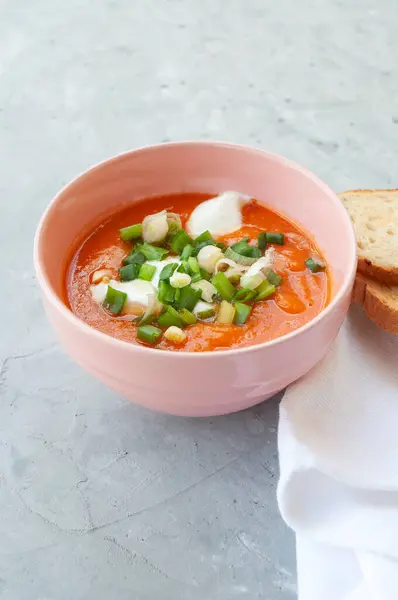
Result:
[207,383]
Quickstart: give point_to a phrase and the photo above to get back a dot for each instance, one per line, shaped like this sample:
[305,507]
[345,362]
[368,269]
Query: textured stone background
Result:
[99,498]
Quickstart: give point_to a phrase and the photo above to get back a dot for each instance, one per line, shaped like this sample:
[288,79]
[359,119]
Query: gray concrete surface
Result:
[99,498]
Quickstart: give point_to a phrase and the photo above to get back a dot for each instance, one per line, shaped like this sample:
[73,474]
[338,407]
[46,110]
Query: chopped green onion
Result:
[275,238]
[177,294]
[151,252]
[170,317]
[186,253]
[193,265]
[205,274]
[203,237]
[226,313]
[181,267]
[264,290]
[135,258]
[262,240]
[149,334]
[199,247]
[206,314]
[131,233]
[179,240]
[274,278]
[173,226]
[222,246]
[246,249]
[129,272]
[167,271]
[196,278]
[314,266]
[187,316]
[147,272]
[173,221]
[246,261]
[245,295]
[188,298]
[223,286]
[235,278]
[252,281]
[114,300]
[166,293]
[242,312]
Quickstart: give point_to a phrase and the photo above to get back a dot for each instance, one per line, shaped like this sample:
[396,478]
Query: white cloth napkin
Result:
[338,448]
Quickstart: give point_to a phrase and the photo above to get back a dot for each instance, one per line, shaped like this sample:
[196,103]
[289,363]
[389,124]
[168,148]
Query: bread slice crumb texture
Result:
[374,214]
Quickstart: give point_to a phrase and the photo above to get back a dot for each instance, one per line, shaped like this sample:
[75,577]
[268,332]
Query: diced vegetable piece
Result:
[226,313]
[199,247]
[275,238]
[252,281]
[104,275]
[196,278]
[223,286]
[173,221]
[135,258]
[205,274]
[180,280]
[132,232]
[151,252]
[149,334]
[245,261]
[170,317]
[167,271]
[187,316]
[274,278]
[208,257]
[166,293]
[181,267]
[242,312]
[246,249]
[203,315]
[147,272]
[188,298]
[175,335]
[129,272]
[314,266]
[264,290]
[177,294]
[234,278]
[262,240]
[203,237]
[186,253]
[193,265]
[245,295]
[206,288]
[114,300]
[155,228]
[179,240]
[153,310]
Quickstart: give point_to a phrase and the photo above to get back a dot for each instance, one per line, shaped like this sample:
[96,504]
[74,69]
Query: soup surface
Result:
[282,299]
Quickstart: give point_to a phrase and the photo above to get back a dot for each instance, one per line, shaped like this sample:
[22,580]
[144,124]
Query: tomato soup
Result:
[146,275]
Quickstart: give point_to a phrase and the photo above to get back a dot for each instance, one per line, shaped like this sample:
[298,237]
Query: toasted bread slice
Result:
[374,214]
[380,302]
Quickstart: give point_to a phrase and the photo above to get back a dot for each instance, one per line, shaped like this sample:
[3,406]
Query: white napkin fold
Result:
[338,449]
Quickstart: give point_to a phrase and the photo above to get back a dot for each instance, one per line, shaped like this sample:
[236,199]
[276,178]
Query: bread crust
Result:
[378,302]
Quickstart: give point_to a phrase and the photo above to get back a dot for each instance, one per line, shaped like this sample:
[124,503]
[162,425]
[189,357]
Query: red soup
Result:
[150,280]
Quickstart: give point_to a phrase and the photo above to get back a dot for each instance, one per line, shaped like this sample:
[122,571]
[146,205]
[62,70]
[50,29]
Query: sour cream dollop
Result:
[220,215]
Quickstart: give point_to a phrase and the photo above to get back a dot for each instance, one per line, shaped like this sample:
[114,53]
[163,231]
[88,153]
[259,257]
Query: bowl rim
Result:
[51,295]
